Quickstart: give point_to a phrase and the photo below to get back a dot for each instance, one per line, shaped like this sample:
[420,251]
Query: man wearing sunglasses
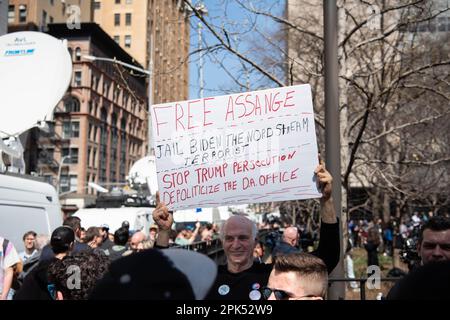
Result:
[297,276]
[241,278]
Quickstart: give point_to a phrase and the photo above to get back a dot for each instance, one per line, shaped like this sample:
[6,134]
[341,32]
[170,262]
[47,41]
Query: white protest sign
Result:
[241,148]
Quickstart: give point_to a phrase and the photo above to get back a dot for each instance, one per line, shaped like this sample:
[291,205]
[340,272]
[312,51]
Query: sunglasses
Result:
[279,294]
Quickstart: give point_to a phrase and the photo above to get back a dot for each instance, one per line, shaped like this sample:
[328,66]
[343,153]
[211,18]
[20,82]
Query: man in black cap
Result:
[107,244]
[35,285]
[126,225]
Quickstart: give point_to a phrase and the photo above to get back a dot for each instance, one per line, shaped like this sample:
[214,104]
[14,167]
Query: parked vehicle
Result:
[185,218]
[139,218]
[25,205]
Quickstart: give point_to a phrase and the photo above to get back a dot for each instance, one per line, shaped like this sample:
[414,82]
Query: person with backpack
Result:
[9,259]
[36,285]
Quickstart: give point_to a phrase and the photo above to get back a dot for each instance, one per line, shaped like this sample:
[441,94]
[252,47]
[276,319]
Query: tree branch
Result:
[230,48]
[281,21]
[405,125]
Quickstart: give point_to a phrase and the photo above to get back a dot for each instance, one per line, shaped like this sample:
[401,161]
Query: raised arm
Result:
[164,219]
[329,248]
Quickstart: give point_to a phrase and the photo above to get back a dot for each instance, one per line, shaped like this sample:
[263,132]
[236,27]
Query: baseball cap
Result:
[104,226]
[154,226]
[61,239]
[125,224]
[169,274]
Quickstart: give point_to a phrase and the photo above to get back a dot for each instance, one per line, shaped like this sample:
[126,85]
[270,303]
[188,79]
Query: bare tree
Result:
[393,83]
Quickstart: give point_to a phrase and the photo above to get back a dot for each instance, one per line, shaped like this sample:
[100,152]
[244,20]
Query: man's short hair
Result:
[91,233]
[29,233]
[73,222]
[92,266]
[121,236]
[436,223]
[62,239]
[308,267]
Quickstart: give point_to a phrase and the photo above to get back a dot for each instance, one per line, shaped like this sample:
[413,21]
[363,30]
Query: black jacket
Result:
[35,284]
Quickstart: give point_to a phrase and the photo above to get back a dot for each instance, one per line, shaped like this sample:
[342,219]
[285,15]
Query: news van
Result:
[189,217]
[139,218]
[27,205]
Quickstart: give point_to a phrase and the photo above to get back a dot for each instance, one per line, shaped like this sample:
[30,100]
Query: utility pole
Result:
[203,11]
[151,150]
[200,60]
[332,131]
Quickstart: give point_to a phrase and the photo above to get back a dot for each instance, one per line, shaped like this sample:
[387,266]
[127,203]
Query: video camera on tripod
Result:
[409,253]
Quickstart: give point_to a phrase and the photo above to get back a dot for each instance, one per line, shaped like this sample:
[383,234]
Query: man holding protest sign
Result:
[241,278]
[243,148]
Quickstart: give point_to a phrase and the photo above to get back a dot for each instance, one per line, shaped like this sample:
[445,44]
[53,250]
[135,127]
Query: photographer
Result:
[433,244]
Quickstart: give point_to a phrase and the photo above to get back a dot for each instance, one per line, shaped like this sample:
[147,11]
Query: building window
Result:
[97,5]
[117,19]
[22,13]
[77,79]
[51,20]
[45,155]
[129,2]
[11,14]
[68,183]
[90,131]
[71,129]
[72,105]
[77,54]
[117,39]
[128,41]
[73,153]
[89,157]
[128,19]
[52,2]
[94,161]
[106,89]
[117,1]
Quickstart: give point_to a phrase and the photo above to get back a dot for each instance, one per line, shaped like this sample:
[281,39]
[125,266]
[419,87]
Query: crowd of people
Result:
[79,264]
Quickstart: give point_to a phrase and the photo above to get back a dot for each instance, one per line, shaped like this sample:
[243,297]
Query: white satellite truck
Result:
[142,176]
[27,205]
[139,218]
[189,217]
[35,72]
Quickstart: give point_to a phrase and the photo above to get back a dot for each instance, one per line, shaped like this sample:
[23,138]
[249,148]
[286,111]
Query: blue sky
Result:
[234,18]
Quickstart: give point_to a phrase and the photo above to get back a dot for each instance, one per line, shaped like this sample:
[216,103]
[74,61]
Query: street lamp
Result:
[59,172]
[148,72]
[90,185]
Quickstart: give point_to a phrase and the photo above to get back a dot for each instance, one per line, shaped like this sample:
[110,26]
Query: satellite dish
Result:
[144,172]
[35,72]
